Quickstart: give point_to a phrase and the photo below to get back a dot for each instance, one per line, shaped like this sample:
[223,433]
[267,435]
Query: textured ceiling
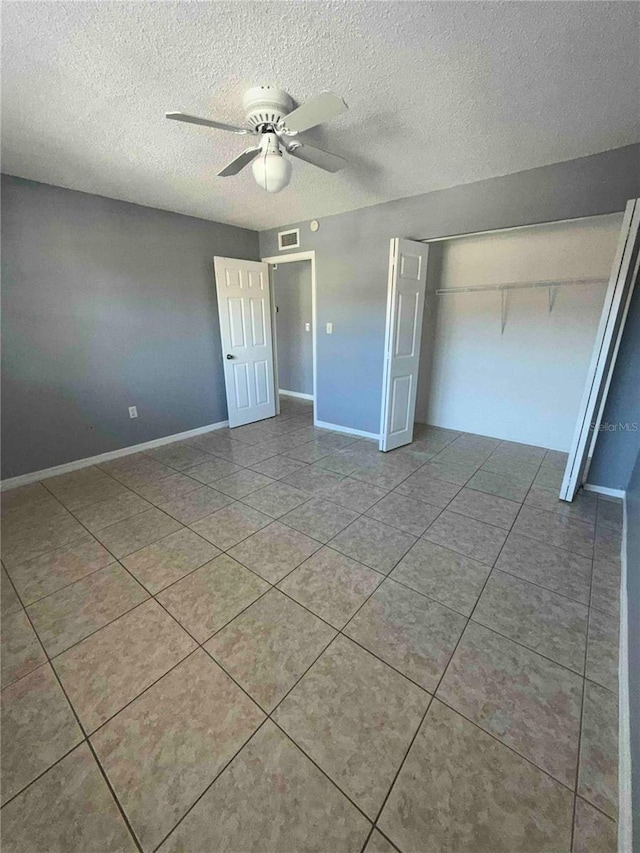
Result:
[440,94]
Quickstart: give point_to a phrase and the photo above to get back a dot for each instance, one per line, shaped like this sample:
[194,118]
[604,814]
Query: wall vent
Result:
[289,239]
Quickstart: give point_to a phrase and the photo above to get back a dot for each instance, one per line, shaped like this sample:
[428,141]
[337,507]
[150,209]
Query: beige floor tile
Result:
[110,668]
[605,589]
[608,543]
[71,614]
[424,486]
[548,566]
[495,484]
[163,750]
[307,452]
[277,499]
[101,489]
[609,512]
[355,494]
[483,507]
[523,699]
[405,513]
[593,831]
[550,624]
[439,805]
[38,728]
[23,516]
[379,844]
[450,578]
[271,798]
[554,529]
[231,524]
[32,542]
[167,560]
[279,466]
[21,651]
[211,596]
[355,717]
[450,472]
[195,504]
[104,513]
[320,519]
[474,539]
[598,775]
[262,649]
[274,551]
[386,473]
[522,473]
[46,574]
[373,543]
[413,634]
[314,480]
[8,597]
[549,477]
[68,809]
[215,469]
[24,496]
[339,463]
[179,456]
[528,453]
[134,533]
[140,471]
[602,649]
[331,585]
[243,454]
[582,508]
[243,483]
[168,488]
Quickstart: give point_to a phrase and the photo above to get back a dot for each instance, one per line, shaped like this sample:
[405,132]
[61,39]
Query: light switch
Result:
[329,328]
[307,327]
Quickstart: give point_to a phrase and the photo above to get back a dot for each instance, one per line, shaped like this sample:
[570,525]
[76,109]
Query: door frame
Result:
[290,258]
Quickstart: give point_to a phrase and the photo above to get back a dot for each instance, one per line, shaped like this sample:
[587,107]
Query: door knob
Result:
[230,356]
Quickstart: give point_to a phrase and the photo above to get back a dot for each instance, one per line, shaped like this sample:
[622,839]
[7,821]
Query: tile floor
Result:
[278,639]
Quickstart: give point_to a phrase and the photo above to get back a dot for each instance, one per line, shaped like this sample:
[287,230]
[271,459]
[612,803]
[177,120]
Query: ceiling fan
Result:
[271,116]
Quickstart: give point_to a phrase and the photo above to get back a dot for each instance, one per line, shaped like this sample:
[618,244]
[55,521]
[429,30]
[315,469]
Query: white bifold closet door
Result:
[244,308]
[614,314]
[405,309]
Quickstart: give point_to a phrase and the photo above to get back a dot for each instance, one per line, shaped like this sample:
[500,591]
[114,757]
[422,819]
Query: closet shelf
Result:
[521,285]
[503,289]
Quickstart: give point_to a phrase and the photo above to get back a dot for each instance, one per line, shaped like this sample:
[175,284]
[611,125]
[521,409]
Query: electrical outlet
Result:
[307,327]
[133,411]
[329,328]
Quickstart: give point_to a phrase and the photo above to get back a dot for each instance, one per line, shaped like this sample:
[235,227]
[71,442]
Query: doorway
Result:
[293,304]
[293,321]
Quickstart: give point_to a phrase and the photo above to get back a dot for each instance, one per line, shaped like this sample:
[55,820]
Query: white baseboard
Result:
[34,476]
[604,490]
[296,394]
[625,813]
[346,430]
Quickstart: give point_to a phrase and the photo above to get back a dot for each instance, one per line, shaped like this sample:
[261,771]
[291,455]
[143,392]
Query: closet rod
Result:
[524,285]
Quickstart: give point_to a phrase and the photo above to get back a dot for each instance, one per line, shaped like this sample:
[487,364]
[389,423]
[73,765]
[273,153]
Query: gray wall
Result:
[352,259]
[292,288]
[105,305]
[633,597]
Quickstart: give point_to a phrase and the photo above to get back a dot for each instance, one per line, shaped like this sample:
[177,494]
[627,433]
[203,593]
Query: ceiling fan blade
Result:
[240,162]
[317,157]
[324,106]
[207,122]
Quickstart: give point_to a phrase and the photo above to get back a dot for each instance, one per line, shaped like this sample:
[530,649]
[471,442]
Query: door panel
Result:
[614,314]
[244,309]
[405,309]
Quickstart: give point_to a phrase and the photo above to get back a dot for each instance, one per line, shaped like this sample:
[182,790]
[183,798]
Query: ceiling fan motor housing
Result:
[266,105]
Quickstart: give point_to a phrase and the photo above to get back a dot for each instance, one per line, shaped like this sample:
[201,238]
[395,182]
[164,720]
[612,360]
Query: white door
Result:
[405,308]
[614,314]
[244,308]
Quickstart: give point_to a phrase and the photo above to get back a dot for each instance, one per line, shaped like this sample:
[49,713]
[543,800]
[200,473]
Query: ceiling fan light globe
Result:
[271,171]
